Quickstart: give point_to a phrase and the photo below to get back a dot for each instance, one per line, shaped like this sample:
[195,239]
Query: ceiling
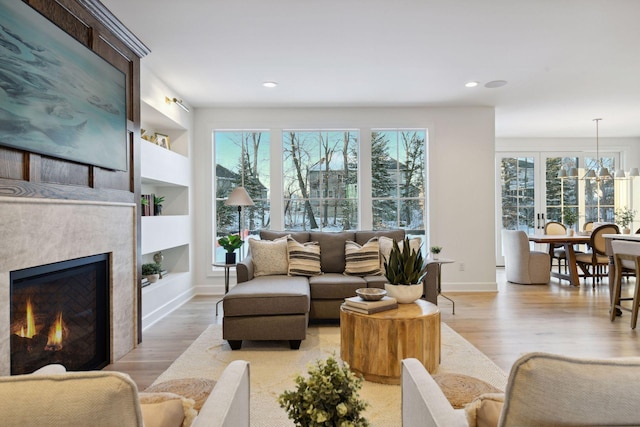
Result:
[565,61]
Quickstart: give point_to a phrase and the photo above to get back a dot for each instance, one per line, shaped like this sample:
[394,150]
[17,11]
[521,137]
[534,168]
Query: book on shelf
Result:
[360,303]
[371,310]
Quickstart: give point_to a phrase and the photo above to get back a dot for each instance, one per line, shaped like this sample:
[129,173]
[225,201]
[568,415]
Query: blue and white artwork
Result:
[57,97]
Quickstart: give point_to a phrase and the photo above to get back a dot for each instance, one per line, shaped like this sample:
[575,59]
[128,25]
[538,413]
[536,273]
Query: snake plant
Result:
[406,266]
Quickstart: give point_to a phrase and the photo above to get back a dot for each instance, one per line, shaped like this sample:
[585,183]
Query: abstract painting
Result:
[57,97]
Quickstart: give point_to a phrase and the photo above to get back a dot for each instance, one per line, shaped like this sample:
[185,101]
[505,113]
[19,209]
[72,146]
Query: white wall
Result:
[461,174]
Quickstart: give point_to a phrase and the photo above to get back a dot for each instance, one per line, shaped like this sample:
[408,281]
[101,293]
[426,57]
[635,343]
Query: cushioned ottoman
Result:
[267,308]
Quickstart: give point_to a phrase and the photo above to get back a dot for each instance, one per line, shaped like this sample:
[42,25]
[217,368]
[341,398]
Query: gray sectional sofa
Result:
[279,306]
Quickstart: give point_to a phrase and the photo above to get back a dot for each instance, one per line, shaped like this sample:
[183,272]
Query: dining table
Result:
[567,242]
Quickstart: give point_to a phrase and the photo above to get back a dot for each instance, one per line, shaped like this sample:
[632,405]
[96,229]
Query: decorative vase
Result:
[404,294]
[626,230]
[569,231]
[230,258]
[152,278]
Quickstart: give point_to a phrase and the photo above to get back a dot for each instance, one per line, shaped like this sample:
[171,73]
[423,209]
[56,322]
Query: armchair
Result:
[521,264]
[543,390]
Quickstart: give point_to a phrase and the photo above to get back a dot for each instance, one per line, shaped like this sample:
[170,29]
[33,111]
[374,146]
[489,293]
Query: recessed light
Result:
[270,84]
[495,83]
[471,84]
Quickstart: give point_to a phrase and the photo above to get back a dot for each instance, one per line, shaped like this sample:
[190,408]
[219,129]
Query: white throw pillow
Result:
[362,260]
[269,256]
[386,244]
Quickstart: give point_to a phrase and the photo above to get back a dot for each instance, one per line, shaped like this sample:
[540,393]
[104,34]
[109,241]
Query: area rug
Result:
[274,367]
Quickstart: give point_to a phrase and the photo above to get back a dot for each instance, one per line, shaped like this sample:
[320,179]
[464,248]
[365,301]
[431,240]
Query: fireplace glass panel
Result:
[59,314]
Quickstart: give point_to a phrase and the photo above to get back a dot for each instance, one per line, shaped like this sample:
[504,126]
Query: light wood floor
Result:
[554,318]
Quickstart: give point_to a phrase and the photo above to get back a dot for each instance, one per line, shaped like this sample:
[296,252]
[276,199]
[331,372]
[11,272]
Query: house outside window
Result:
[320,183]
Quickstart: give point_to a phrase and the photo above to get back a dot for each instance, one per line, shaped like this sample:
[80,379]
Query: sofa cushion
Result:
[299,236]
[268,295]
[484,411]
[197,389]
[304,258]
[375,281]
[364,236]
[335,286]
[166,410]
[462,389]
[269,257]
[362,260]
[332,249]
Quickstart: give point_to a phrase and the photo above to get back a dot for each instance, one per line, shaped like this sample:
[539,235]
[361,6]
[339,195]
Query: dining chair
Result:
[626,259]
[521,264]
[558,229]
[587,226]
[593,263]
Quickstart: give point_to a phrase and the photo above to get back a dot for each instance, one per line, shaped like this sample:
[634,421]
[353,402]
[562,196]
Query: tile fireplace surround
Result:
[42,231]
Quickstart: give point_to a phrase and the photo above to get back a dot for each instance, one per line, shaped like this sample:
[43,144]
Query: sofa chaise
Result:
[276,296]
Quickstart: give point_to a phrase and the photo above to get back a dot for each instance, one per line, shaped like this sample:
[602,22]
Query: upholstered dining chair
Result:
[558,229]
[593,263]
[521,264]
[587,226]
[626,258]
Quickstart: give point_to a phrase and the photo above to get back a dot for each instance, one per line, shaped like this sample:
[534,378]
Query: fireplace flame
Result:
[56,334]
[31,323]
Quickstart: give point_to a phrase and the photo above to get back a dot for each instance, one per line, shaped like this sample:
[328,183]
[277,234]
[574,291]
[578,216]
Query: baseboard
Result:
[165,309]
[469,287]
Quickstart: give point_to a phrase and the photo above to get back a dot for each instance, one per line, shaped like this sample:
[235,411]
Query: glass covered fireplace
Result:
[60,314]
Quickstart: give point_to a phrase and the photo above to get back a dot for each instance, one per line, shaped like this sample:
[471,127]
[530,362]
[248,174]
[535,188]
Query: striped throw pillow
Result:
[304,258]
[362,260]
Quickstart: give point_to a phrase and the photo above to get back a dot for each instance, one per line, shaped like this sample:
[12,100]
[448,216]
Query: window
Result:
[398,183]
[320,180]
[241,158]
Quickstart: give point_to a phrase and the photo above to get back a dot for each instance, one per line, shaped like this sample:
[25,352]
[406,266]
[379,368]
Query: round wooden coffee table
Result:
[374,344]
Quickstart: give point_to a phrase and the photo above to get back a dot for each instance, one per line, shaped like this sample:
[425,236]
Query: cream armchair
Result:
[521,264]
[54,398]
[543,390]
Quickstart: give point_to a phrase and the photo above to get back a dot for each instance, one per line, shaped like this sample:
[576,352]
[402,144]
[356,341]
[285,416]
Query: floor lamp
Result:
[239,197]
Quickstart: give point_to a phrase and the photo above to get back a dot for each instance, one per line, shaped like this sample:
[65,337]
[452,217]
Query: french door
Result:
[530,193]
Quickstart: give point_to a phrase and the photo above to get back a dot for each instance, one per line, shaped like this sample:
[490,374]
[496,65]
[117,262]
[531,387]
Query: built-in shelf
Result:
[166,173]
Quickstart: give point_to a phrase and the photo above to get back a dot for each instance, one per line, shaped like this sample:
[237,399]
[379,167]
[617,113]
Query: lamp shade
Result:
[562,173]
[590,174]
[634,172]
[620,173]
[573,172]
[239,197]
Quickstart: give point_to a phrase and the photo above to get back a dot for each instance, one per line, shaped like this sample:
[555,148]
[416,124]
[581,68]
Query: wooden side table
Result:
[439,262]
[227,268]
[374,344]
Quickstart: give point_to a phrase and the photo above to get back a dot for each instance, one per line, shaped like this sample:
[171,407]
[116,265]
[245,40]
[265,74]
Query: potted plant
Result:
[328,397]
[157,203]
[151,271]
[435,250]
[230,243]
[570,217]
[404,270]
[624,218]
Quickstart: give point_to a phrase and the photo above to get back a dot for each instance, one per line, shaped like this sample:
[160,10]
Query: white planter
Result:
[404,294]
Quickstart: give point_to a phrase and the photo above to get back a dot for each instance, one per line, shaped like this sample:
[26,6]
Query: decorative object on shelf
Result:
[158,258]
[151,271]
[176,101]
[371,294]
[624,218]
[404,270]
[144,135]
[157,204]
[435,250]
[230,244]
[239,197]
[328,397]
[162,140]
[148,206]
[570,218]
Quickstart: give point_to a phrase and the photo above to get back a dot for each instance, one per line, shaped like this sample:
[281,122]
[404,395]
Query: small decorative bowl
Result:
[371,294]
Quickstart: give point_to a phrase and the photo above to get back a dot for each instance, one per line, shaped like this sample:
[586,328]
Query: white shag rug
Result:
[274,367]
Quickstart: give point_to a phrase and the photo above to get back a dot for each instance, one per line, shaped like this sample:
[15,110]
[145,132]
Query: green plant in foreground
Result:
[230,243]
[624,217]
[406,266]
[328,397]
